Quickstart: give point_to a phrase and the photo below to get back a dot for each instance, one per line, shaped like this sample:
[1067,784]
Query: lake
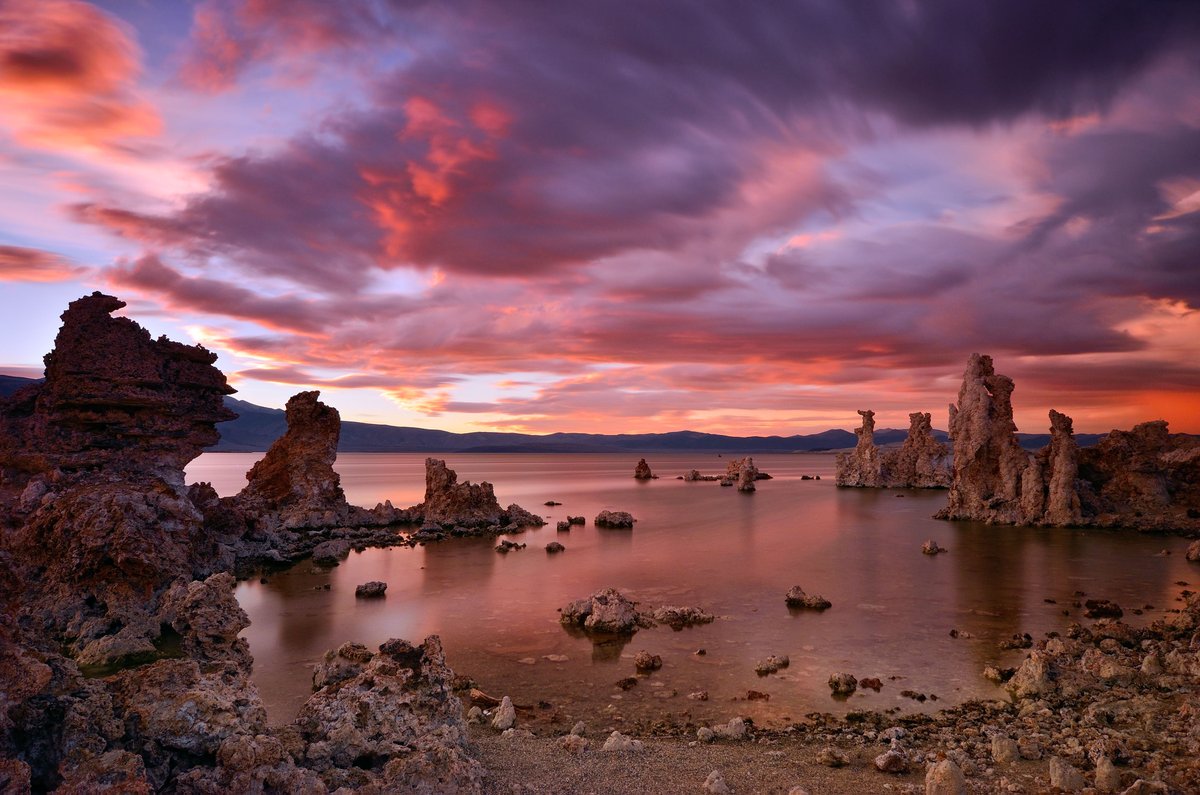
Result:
[734,555]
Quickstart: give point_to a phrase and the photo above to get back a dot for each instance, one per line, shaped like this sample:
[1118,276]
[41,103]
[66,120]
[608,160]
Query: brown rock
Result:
[297,471]
[642,470]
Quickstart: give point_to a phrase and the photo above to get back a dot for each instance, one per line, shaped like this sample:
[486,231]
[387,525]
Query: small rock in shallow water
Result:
[371,590]
[554,547]
[797,598]
[645,662]
[1102,608]
[843,684]
[930,547]
[771,664]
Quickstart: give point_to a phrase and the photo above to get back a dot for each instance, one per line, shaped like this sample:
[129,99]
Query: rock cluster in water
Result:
[121,666]
[922,462]
[467,505]
[742,472]
[1144,478]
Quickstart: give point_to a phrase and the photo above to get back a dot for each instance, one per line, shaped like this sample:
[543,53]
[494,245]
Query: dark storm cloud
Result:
[518,138]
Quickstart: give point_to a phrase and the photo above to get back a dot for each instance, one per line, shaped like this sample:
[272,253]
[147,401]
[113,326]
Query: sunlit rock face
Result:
[920,463]
[1144,478]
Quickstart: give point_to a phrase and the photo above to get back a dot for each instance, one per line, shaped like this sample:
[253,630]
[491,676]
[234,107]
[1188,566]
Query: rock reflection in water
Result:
[733,555]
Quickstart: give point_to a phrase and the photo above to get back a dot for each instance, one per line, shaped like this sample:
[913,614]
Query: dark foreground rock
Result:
[121,665]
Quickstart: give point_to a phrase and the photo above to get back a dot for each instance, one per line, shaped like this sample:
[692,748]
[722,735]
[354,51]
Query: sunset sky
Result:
[619,216]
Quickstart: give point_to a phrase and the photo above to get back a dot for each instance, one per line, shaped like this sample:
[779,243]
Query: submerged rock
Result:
[645,662]
[679,617]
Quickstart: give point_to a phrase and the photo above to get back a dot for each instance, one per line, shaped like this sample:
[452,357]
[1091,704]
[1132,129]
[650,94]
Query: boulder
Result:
[1064,777]
[554,547]
[505,716]
[797,598]
[620,520]
[843,684]
[945,778]
[331,553]
[606,611]
[642,470]
[645,662]
[371,590]
[620,742]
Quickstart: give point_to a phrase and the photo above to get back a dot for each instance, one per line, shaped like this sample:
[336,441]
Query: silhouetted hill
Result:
[257,426]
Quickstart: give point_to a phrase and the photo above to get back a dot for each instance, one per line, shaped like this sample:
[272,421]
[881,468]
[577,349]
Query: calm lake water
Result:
[732,554]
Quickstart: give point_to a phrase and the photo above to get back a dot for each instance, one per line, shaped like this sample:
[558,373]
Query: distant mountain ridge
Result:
[257,427]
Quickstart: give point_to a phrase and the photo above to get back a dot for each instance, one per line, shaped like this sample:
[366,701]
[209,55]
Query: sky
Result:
[743,218]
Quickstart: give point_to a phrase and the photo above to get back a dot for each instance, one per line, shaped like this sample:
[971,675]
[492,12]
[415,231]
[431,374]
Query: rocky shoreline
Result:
[122,669]
[1105,708]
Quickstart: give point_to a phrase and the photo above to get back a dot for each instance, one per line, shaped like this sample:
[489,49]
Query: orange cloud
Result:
[18,264]
[68,73]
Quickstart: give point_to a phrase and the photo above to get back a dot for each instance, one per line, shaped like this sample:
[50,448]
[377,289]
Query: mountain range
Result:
[258,426]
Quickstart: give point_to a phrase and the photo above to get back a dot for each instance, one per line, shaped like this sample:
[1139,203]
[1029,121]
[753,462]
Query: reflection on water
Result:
[732,554]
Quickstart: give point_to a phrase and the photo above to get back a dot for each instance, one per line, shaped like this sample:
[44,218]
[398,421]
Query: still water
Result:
[732,554]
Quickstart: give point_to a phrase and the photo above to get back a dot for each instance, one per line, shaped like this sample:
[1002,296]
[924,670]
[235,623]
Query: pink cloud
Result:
[68,75]
[18,264]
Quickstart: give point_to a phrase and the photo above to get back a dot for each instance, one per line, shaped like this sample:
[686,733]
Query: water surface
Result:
[732,554]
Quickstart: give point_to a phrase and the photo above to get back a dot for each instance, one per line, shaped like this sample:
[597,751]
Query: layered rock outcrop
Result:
[1144,478]
[121,666]
[922,462]
[114,401]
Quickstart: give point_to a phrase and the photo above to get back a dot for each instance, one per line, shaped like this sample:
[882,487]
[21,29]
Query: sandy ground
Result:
[669,765]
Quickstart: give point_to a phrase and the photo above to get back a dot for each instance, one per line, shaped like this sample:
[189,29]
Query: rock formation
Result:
[469,505]
[862,467]
[642,470]
[121,666]
[297,472]
[741,472]
[920,463]
[606,611]
[114,400]
[1144,478]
